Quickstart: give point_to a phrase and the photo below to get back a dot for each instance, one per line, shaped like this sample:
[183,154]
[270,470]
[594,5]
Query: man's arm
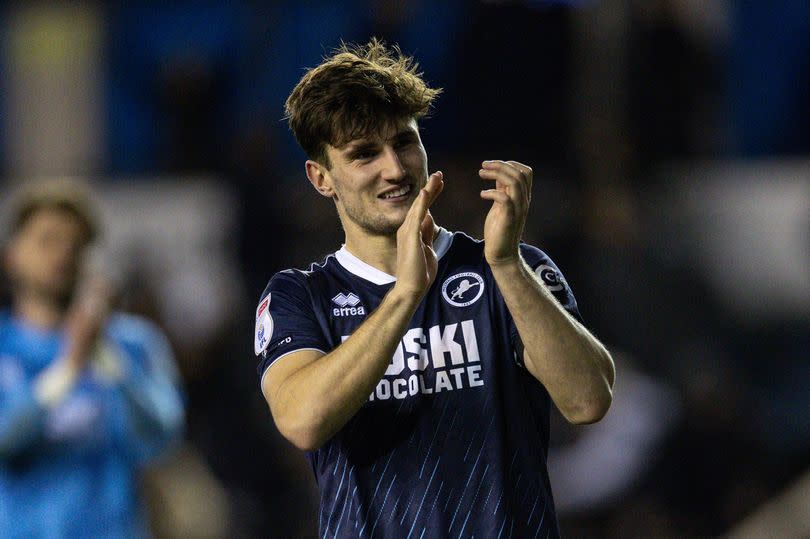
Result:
[572,364]
[312,395]
[154,413]
[24,408]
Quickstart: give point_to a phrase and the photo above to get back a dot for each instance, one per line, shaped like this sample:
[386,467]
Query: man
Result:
[86,397]
[416,366]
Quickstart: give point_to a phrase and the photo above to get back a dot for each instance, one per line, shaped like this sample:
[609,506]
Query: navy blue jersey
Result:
[453,440]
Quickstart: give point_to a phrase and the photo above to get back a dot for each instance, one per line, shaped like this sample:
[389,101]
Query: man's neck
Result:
[377,251]
[38,311]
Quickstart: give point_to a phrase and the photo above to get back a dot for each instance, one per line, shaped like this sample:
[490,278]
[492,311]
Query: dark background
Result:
[669,140]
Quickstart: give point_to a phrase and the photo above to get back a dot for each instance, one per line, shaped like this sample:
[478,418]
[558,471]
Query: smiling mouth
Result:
[398,193]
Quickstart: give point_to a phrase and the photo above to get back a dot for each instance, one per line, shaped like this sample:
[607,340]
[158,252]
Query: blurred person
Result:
[87,395]
[417,366]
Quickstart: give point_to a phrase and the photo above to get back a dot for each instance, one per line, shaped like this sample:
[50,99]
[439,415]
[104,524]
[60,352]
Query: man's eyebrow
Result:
[357,145]
[404,134]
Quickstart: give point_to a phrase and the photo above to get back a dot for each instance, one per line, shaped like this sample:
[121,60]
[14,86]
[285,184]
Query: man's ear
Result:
[319,178]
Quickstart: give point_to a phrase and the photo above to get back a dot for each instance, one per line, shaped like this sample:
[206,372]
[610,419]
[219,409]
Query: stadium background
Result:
[670,142]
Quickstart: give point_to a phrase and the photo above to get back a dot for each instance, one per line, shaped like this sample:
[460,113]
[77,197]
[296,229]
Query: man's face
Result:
[45,255]
[377,177]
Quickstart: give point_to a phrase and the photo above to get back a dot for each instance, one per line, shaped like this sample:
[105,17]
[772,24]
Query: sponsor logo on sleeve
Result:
[463,289]
[550,277]
[262,306]
[264,326]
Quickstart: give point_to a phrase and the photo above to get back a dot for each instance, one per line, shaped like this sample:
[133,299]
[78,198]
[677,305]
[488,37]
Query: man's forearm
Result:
[325,394]
[571,363]
[26,406]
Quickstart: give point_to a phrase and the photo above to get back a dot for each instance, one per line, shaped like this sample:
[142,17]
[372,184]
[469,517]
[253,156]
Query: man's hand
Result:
[507,216]
[85,320]
[311,395]
[82,327]
[416,260]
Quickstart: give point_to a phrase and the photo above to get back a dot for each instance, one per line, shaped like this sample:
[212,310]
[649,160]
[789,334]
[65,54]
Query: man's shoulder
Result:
[292,279]
[133,329]
[461,243]
[468,244]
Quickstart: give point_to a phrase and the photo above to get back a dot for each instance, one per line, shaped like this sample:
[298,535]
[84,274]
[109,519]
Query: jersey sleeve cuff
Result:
[285,354]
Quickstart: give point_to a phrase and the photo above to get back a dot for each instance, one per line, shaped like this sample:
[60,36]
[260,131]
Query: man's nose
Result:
[392,169]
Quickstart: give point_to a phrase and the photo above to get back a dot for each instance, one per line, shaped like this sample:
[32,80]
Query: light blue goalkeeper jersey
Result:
[72,470]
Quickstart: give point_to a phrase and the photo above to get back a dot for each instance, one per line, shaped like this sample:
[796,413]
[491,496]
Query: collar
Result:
[355,266]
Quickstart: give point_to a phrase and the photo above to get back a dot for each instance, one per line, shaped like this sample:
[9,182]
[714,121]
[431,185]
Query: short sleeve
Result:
[285,321]
[552,278]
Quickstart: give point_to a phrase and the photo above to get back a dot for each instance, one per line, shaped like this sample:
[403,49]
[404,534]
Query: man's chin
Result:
[57,293]
[384,227]
[379,229]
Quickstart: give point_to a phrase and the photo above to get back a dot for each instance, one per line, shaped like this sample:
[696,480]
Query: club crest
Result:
[463,289]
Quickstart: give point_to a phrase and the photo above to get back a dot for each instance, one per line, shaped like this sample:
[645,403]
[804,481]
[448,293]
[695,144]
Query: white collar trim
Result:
[361,269]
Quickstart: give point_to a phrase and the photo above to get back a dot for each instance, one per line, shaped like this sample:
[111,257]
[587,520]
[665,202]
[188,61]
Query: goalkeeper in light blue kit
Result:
[87,397]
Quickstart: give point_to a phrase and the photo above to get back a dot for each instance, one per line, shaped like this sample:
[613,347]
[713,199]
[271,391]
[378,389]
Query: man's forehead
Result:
[49,219]
[387,131]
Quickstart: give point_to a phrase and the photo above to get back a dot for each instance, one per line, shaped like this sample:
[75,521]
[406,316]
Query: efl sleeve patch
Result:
[286,320]
[264,326]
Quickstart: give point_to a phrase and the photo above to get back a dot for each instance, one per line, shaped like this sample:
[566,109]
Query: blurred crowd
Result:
[671,146]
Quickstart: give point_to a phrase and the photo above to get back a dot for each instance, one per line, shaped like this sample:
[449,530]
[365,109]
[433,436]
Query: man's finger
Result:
[434,186]
[503,166]
[501,176]
[495,196]
[526,169]
[427,229]
[427,195]
[517,187]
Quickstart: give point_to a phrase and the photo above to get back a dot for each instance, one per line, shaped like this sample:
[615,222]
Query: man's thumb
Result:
[427,229]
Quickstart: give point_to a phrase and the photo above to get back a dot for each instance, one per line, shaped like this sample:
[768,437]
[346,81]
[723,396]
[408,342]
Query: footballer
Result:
[416,366]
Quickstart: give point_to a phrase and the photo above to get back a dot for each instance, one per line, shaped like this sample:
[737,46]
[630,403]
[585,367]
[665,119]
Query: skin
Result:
[361,171]
[312,395]
[572,364]
[44,260]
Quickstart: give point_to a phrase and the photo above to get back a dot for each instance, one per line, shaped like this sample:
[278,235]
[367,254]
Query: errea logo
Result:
[347,305]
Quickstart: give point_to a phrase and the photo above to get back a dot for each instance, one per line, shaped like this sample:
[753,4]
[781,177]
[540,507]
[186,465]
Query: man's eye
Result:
[364,154]
[403,143]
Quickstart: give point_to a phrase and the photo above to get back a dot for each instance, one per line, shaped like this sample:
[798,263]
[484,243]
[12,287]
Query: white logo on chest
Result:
[463,289]
[347,305]
[433,360]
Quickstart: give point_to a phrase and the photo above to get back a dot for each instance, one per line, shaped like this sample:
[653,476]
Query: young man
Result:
[416,366]
[86,397]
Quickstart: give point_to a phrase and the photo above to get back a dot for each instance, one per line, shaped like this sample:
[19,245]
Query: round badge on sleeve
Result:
[550,277]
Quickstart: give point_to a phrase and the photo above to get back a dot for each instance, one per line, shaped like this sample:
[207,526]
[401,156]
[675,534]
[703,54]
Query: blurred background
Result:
[671,146]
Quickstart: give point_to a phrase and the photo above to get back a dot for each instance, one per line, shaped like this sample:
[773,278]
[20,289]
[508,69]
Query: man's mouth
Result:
[401,192]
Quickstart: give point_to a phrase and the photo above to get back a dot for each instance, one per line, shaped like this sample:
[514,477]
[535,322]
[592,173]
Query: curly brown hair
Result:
[354,92]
